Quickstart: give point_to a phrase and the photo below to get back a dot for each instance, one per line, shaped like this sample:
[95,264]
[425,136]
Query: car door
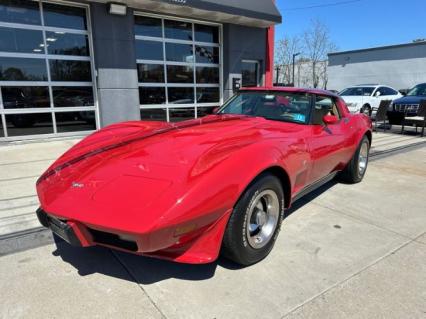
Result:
[328,144]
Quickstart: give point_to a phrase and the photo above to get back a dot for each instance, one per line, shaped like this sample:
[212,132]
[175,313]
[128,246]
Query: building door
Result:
[250,73]
[46,70]
[179,67]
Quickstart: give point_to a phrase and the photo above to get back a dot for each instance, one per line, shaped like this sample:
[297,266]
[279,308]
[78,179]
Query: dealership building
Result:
[70,67]
[400,66]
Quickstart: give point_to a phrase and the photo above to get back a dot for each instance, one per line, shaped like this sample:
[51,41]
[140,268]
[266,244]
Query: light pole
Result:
[294,56]
[277,68]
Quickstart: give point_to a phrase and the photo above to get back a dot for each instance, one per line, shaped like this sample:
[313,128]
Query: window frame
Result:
[47,57]
[168,106]
[333,100]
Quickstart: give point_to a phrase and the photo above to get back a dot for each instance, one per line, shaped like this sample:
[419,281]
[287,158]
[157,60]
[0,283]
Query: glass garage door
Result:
[179,68]
[46,73]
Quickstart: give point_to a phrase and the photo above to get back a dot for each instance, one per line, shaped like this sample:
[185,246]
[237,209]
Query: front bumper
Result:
[58,227]
[199,246]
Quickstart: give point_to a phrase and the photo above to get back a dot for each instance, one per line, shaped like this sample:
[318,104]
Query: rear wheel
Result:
[255,222]
[356,168]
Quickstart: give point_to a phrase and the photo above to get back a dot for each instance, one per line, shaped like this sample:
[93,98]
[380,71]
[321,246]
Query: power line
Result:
[322,5]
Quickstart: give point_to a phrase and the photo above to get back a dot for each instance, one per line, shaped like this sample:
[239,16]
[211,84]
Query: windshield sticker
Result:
[299,117]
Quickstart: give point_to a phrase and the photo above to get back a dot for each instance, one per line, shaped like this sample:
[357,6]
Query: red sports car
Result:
[188,191]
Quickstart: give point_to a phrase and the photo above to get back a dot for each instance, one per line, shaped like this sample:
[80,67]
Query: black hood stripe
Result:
[100,150]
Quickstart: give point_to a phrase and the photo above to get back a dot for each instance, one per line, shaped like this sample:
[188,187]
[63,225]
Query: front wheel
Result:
[366,109]
[255,222]
[356,168]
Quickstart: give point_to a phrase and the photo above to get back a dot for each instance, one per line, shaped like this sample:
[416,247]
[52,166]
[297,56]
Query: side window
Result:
[389,91]
[324,105]
[381,90]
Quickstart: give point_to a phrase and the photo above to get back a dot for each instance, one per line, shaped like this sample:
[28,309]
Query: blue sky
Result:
[357,24]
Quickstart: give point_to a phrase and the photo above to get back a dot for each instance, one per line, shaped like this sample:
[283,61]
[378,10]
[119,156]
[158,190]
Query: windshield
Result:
[278,106]
[358,91]
[418,90]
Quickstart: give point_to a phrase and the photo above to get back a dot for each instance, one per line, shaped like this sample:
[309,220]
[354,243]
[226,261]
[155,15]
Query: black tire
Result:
[366,109]
[236,244]
[352,173]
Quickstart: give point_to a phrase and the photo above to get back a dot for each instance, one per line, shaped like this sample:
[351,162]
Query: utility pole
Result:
[294,57]
[277,70]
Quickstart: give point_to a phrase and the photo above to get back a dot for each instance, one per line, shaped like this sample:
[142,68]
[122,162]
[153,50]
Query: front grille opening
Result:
[110,239]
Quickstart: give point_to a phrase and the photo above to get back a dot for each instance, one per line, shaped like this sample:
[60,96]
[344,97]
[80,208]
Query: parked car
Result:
[366,98]
[407,105]
[186,191]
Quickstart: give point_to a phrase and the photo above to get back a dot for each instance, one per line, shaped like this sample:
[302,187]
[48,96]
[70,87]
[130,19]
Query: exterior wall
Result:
[241,43]
[115,61]
[114,52]
[400,67]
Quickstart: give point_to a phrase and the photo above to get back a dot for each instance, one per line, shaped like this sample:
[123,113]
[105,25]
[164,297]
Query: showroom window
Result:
[46,69]
[179,67]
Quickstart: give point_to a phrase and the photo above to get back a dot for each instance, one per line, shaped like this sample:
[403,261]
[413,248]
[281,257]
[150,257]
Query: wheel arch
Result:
[283,177]
[369,136]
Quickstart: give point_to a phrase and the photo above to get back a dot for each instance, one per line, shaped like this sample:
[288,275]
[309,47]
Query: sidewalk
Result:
[20,166]
[346,251]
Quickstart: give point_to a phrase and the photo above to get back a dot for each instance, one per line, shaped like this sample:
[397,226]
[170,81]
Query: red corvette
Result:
[186,192]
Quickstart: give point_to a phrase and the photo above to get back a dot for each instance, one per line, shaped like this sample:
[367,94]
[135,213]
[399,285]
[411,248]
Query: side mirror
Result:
[377,94]
[215,110]
[330,119]
[403,93]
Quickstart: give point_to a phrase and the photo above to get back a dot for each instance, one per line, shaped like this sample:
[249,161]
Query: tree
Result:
[317,43]
[284,55]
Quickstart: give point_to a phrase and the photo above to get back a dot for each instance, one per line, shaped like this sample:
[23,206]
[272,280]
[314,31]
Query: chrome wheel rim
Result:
[363,158]
[262,219]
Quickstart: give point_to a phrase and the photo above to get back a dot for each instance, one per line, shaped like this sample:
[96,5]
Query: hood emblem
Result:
[77,185]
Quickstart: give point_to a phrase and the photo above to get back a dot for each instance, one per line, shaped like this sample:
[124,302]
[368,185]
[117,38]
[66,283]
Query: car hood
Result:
[144,160]
[409,100]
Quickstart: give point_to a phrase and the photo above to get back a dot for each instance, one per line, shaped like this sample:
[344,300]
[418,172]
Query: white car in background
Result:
[366,98]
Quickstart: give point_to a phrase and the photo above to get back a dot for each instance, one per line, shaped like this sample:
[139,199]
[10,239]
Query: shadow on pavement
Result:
[146,270]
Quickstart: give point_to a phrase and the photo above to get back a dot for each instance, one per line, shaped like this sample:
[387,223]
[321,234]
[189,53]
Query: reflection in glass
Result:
[61,16]
[207,54]
[21,40]
[180,74]
[152,95]
[1,128]
[153,114]
[208,75]
[63,70]
[67,43]
[179,52]
[250,75]
[204,111]
[66,96]
[178,30]
[29,124]
[20,11]
[75,121]
[181,95]
[208,95]
[149,27]
[177,115]
[149,50]
[206,33]
[25,97]
[151,73]
[20,69]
